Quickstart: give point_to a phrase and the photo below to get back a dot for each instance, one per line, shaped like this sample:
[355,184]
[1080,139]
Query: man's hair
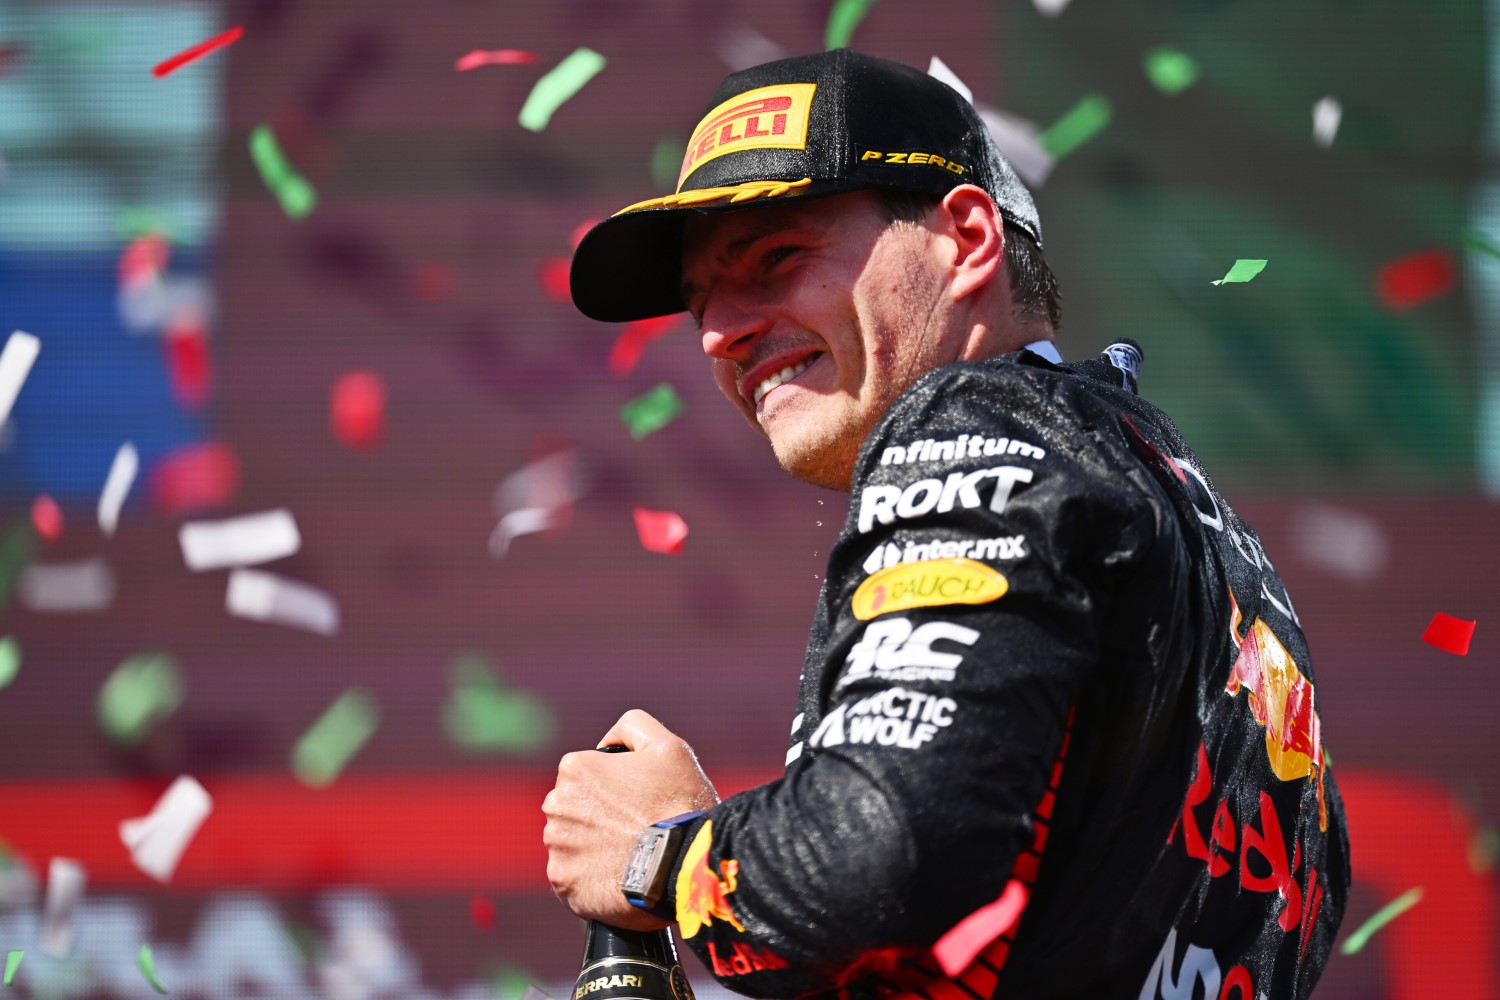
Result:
[1033,287]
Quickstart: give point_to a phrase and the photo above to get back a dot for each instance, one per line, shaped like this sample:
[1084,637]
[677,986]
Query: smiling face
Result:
[817,316]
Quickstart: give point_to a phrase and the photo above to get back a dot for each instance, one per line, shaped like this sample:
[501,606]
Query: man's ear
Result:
[968,217]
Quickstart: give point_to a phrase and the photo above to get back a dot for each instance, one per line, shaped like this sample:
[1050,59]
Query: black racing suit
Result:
[1051,668]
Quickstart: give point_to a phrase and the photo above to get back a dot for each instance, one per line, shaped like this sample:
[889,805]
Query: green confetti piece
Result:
[140,692]
[1242,271]
[1356,942]
[326,748]
[482,716]
[306,941]
[1474,241]
[651,412]
[510,982]
[10,659]
[12,963]
[558,86]
[843,19]
[16,552]
[296,195]
[666,161]
[1484,851]
[1082,122]
[148,968]
[135,221]
[1171,71]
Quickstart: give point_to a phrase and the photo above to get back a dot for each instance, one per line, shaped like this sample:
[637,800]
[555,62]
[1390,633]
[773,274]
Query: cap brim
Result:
[630,265]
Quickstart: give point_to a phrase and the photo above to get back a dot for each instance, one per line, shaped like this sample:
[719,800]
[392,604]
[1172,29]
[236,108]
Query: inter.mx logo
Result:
[887,504]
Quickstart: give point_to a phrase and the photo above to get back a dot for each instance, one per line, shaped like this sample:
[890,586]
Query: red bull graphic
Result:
[1281,699]
[702,895]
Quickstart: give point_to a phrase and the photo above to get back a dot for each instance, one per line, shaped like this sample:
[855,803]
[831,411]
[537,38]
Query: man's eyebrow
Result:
[736,250]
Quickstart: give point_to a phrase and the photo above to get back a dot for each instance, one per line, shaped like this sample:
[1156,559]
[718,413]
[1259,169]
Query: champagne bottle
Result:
[630,965]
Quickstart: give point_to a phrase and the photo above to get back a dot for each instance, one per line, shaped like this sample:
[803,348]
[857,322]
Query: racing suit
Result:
[1057,732]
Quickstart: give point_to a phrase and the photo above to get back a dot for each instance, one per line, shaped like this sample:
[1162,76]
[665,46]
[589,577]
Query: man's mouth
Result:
[784,375]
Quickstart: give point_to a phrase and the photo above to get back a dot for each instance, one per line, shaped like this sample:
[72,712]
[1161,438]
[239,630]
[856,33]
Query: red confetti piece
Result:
[494,57]
[357,409]
[661,531]
[11,54]
[553,275]
[1449,634]
[143,260]
[188,362]
[433,282]
[581,230]
[631,343]
[482,912]
[196,477]
[198,51]
[47,517]
[958,948]
[1413,280]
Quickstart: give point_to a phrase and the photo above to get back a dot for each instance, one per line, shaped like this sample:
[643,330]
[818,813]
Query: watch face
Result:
[638,868]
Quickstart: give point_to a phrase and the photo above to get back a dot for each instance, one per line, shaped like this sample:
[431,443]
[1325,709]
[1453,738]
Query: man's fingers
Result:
[637,730]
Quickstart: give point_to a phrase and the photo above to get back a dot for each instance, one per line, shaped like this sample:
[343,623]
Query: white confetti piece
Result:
[156,841]
[66,880]
[547,482]
[1344,543]
[87,585]
[742,47]
[938,70]
[117,487]
[526,521]
[15,364]
[1326,116]
[1050,8]
[1018,141]
[266,597]
[239,541]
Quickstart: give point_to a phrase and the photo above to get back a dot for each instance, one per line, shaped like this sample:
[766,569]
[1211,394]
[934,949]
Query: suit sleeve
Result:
[984,534]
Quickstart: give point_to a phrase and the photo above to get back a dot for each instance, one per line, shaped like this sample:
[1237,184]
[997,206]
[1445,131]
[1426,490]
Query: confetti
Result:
[117,487]
[15,364]
[356,409]
[1412,280]
[742,47]
[326,748]
[1451,635]
[47,518]
[148,968]
[66,880]
[1242,271]
[1082,122]
[552,274]
[189,365]
[12,963]
[494,57]
[1019,142]
[843,19]
[85,585]
[558,85]
[266,597]
[10,663]
[1484,851]
[143,260]
[239,541]
[660,531]
[1050,8]
[156,841]
[956,949]
[1355,943]
[652,411]
[666,160]
[631,343]
[484,717]
[15,553]
[138,694]
[197,52]
[532,993]
[195,477]
[525,521]
[481,912]
[536,497]
[938,70]
[1345,543]
[1170,71]
[1326,113]
[291,189]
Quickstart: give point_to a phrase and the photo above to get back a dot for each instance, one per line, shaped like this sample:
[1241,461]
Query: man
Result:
[1057,730]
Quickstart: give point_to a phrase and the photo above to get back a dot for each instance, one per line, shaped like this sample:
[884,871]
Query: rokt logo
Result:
[887,504]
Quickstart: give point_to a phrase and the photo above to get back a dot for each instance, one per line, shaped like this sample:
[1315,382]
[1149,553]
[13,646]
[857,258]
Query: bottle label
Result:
[631,979]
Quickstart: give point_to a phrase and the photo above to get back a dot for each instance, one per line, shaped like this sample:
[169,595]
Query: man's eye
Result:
[776,255]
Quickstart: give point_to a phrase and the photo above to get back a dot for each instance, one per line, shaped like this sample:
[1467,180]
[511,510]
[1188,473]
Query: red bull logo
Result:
[1282,700]
[702,895]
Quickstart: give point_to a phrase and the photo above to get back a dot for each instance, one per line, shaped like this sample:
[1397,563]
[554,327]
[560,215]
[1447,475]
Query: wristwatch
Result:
[651,862]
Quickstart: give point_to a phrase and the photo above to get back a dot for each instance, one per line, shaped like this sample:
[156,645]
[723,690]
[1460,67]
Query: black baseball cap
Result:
[803,127]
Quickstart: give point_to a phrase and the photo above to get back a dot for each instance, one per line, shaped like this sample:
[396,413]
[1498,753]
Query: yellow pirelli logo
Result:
[766,118]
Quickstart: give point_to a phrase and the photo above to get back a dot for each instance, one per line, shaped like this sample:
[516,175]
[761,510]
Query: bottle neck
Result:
[604,941]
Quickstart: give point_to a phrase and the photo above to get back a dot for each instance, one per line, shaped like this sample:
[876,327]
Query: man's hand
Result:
[603,800]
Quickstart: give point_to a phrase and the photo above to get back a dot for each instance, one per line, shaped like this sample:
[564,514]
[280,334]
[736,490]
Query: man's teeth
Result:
[785,375]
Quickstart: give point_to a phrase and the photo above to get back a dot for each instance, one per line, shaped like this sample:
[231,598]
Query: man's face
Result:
[817,315]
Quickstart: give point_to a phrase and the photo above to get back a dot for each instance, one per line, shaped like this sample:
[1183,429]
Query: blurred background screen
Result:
[316,278]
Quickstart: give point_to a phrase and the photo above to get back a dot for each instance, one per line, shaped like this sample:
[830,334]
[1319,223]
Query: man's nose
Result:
[731,325]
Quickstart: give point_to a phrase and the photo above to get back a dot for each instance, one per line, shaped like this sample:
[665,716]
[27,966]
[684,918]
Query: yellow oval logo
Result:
[927,584]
